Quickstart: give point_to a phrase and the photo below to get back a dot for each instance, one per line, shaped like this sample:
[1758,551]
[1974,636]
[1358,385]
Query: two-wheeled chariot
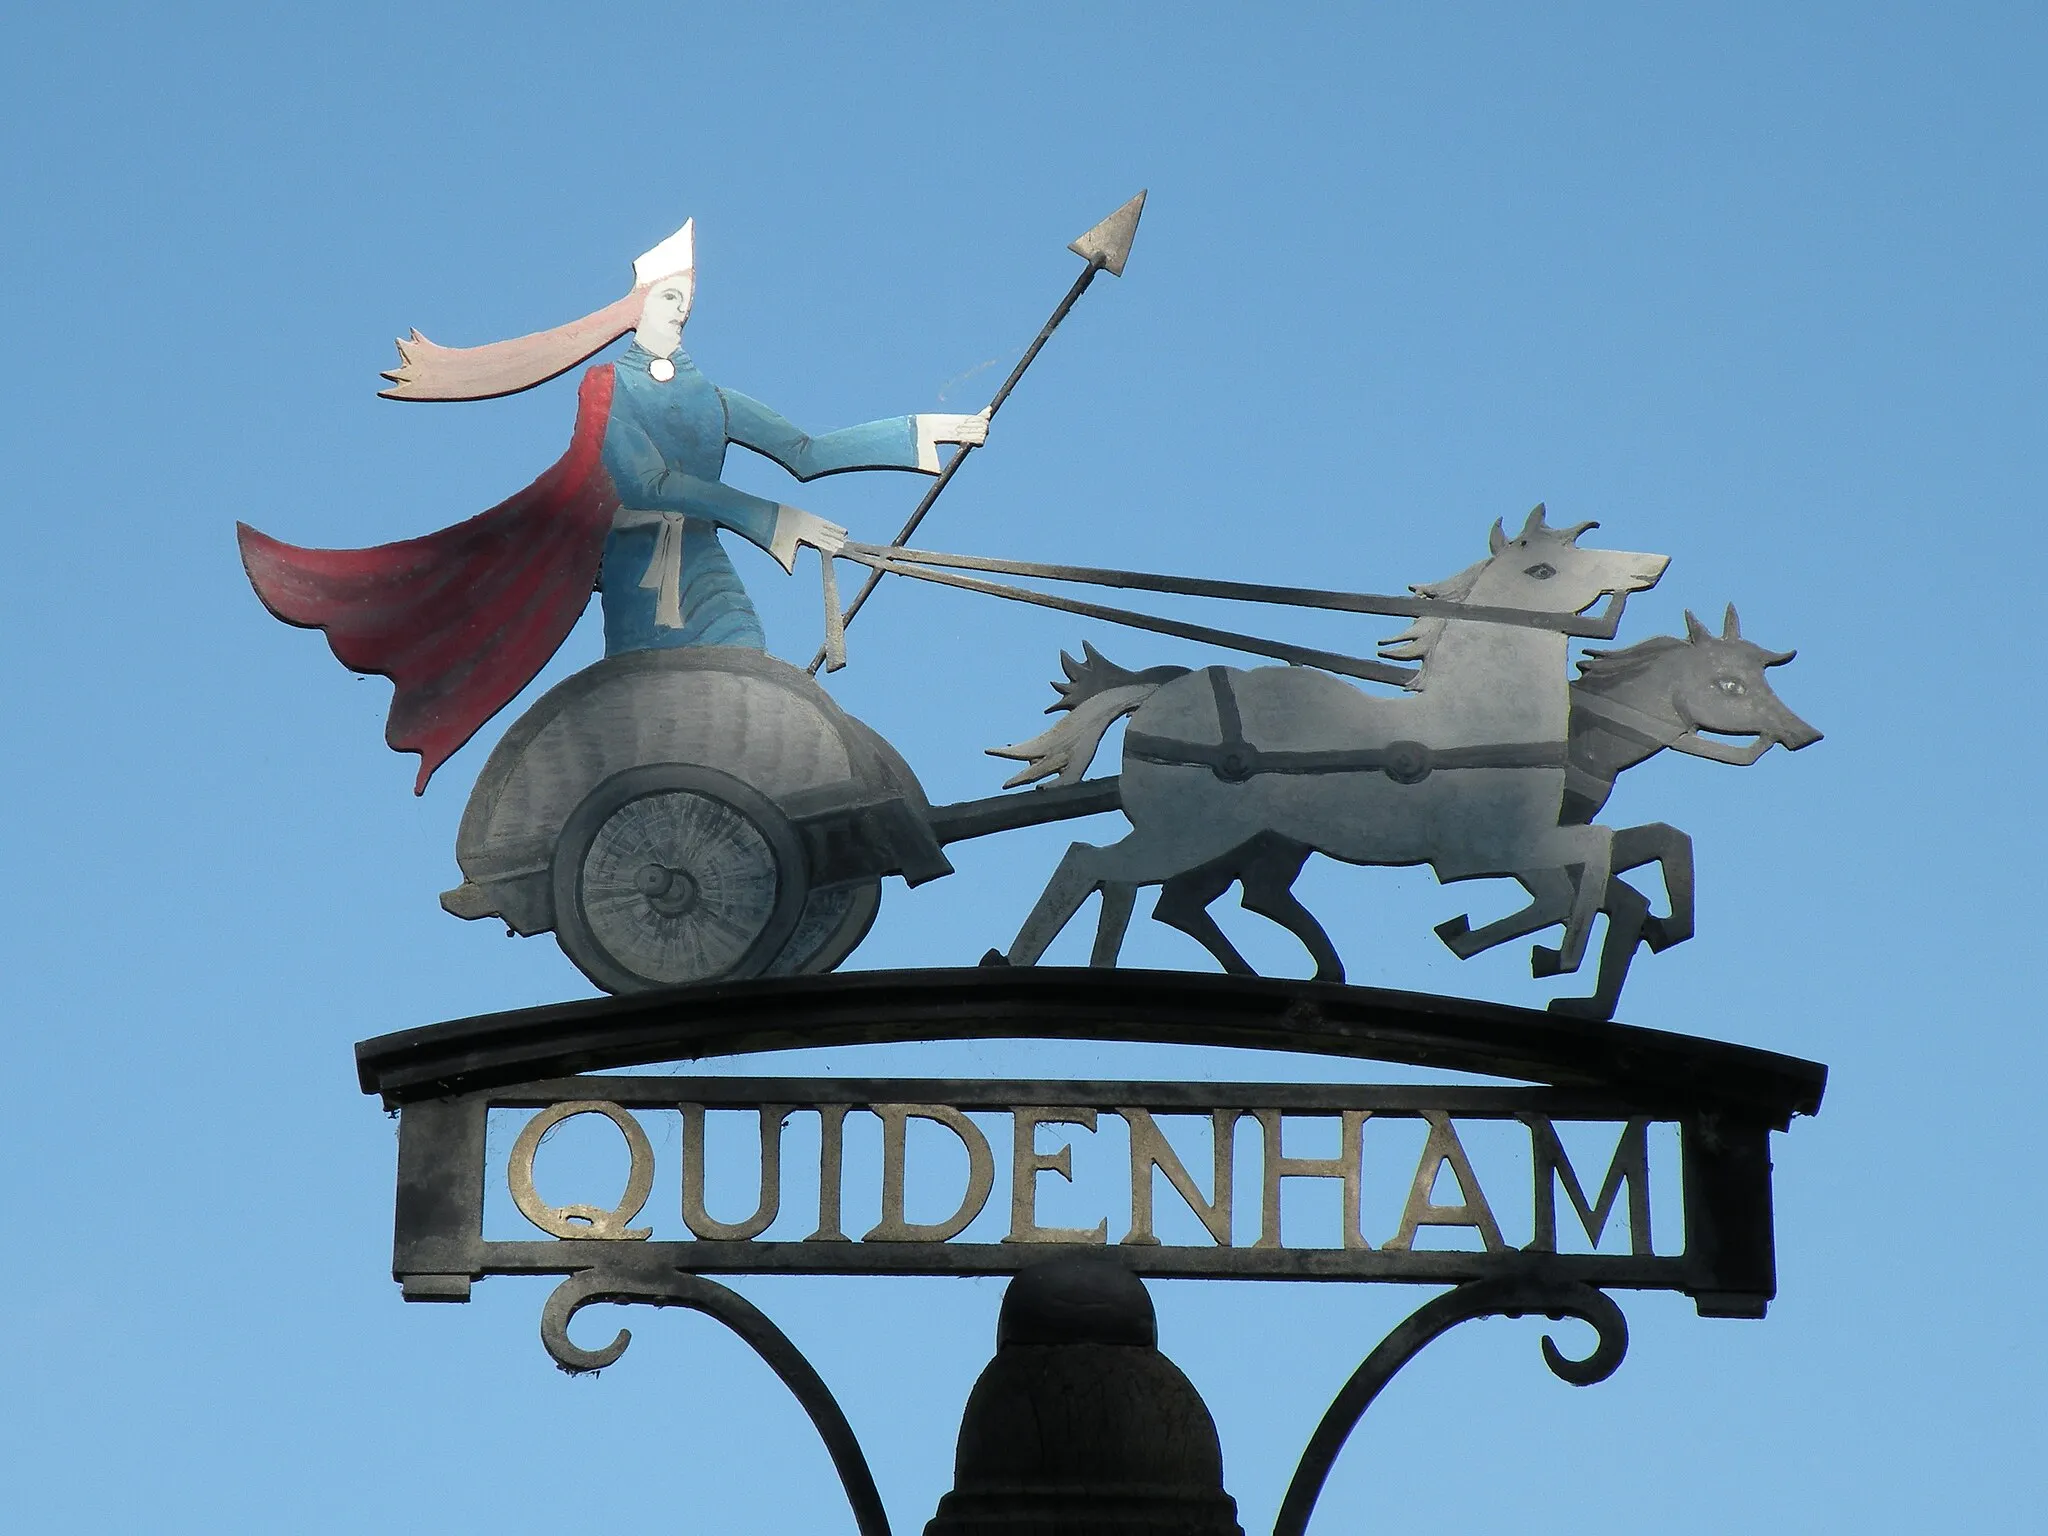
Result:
[678,816]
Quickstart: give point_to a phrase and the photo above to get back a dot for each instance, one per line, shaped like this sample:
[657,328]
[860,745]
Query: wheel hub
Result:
[671,892]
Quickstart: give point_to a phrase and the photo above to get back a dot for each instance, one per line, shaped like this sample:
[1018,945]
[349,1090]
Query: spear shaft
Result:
[1106,248]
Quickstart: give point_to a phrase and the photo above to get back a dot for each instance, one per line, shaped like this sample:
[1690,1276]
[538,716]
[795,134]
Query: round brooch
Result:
[661,370]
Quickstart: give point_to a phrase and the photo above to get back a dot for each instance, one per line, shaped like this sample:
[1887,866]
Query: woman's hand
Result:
[968,431]
[794,527]
[934,428]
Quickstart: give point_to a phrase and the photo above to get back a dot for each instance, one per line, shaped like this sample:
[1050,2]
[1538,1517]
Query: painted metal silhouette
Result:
[1626,707]
[462,620]
[1466,774]
[691,808]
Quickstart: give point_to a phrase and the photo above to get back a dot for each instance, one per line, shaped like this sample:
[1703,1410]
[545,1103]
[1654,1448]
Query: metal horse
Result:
[1466,774]
[1627,706]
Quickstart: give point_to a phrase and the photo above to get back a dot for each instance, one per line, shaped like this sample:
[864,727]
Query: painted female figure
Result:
[462,620]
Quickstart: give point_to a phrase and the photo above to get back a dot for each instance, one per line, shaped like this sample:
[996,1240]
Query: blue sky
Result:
[1756,286]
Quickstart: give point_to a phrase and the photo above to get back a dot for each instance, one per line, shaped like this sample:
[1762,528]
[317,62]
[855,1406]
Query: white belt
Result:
[664,574]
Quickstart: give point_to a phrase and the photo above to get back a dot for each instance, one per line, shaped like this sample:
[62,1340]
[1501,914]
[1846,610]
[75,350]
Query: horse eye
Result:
[1730,685]
[1543,570]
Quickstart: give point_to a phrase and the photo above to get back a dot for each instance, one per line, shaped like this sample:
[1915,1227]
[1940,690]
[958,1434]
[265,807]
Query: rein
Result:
[890,561]
[921,564]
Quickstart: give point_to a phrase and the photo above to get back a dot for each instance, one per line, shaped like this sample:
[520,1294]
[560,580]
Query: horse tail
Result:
[1096,674]
[1096,694]
[1069,747]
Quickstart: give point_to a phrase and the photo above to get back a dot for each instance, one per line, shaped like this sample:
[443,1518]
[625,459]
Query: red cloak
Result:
[459,620]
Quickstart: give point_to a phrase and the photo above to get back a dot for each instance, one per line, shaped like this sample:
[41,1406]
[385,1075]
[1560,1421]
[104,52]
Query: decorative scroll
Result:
[668,1289]
[1507,1296]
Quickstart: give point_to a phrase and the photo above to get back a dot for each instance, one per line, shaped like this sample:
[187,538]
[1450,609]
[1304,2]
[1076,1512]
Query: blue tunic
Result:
[664,448]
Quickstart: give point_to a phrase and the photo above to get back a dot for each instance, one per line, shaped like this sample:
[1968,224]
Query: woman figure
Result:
[461,620]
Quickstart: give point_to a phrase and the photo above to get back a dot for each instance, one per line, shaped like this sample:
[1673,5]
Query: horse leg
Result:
[1671,851]
[1143,858]
[1118,897]
[1268,878]
[1628,910]
[1184,904]
[1552,893]
[1071,884]
[1593,848]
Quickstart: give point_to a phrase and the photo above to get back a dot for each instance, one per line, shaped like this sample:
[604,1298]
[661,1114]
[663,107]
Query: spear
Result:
[1105,248]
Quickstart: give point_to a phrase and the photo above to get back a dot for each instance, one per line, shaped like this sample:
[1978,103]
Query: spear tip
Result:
[1108,244]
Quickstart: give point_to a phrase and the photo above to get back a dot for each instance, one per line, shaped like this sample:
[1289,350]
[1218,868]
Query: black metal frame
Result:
[1516,1296]
[1061,1003]
[1728,1266]
[444,1079]
[753,1327]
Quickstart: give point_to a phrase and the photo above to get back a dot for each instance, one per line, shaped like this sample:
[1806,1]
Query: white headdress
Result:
[430,372]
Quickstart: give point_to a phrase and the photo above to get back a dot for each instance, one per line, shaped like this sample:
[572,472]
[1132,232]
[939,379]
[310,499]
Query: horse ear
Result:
[1496,538]
[1571,535]
[1534,524]
[1731,626]
[1778,658]
[1695,631]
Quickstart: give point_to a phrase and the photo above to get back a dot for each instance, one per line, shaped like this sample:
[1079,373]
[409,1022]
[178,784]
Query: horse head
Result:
[1544,569]
[1721,688]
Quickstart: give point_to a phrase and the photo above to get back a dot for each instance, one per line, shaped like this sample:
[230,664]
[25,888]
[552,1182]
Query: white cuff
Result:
[928,429]
[933,429]
[789,522]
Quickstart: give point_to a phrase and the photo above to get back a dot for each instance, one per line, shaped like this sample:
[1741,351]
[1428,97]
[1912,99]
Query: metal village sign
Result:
[706,834]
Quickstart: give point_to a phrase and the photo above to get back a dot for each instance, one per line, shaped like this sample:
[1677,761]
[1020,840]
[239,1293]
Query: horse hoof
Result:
[995,957]
[1543,961]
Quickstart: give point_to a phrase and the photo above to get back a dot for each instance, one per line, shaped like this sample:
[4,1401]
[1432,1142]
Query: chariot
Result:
[699,814]
[709,813]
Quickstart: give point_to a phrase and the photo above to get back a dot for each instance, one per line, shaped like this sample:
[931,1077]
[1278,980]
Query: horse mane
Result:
[1603,671]
[1416,641]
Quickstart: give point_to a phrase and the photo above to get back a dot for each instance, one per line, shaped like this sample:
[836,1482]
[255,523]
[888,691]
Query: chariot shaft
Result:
[1035,807]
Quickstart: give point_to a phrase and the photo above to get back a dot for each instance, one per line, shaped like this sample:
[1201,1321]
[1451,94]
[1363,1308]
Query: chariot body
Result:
[679,815]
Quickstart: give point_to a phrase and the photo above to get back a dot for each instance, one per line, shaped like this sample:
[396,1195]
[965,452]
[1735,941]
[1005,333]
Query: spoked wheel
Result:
[835,919]
[673,873]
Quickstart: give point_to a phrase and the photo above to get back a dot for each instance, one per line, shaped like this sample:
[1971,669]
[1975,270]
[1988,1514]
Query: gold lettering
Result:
[1630,1165]
[1150,1150]
[1027,1163]
[1444,1147]
[583,1221]
[981,1174]
[1346,1165]
[695,1217]
[831,1165]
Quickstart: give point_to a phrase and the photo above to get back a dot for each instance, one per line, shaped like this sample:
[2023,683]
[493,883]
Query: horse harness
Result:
[1235,760]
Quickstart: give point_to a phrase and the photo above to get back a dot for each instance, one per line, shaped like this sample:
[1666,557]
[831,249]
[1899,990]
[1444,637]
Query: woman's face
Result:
[662,314]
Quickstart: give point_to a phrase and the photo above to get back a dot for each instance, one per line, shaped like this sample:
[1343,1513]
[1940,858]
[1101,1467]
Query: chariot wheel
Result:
[834,921]
[672,873]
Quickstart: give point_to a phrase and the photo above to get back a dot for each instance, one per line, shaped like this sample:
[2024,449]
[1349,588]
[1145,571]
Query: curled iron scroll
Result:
[1511,1296]
[671,1288]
